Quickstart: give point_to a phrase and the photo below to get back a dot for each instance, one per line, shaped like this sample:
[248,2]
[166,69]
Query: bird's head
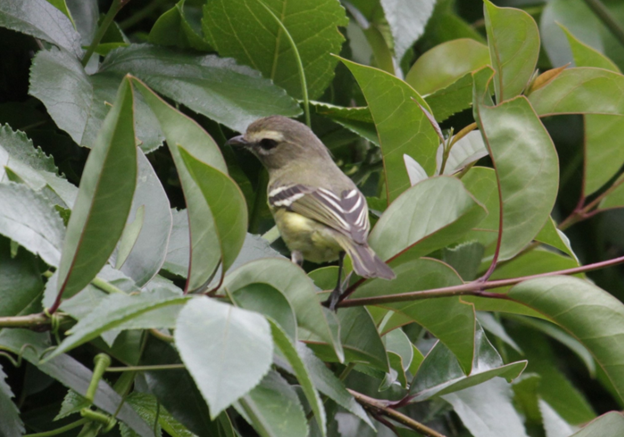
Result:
[278,141]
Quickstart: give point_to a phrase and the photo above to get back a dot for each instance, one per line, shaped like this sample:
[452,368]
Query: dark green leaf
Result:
[20,282]
[240,340]
[11,424]
[104,198]
[146,406]
[176,28]
[260,42]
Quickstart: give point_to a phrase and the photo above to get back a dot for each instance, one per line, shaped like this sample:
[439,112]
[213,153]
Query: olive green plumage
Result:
[318,210]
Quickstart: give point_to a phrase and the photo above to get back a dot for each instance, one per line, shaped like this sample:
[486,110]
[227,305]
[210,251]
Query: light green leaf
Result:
[223,91]
[129,236]
[440,373]
[465,151]
[273,408]
[526,165]
[298,289]
[407,19]
[104,198]
[487,410]
[586,56]
[226,349]
[556,238]
[40,19]
[581,309]
[402,127]
[427,217]
[452,99]
[260,43]
[30,220]
[449,319]
[616,198]
[226,202]
[445,64]
[607,425]
[513,39]
[121,311]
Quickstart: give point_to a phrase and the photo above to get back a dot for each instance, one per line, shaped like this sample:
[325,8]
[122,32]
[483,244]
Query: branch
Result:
[377,406]
[36,322]
[472,288]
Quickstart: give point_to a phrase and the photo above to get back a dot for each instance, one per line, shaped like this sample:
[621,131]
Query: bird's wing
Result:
[346,212]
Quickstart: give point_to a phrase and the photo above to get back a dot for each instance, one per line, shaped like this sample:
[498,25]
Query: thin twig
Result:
[377,406]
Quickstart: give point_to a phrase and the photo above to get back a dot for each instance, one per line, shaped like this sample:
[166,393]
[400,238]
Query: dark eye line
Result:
[268,143]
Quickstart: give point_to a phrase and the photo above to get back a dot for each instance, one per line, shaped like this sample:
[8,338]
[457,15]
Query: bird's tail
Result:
[365,262]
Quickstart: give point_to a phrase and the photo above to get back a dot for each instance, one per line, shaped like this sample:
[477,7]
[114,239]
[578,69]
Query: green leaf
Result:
[586,56]
[526,165]
[568,93]
[226,202]
[400,354]
[475,407]
[21,284]
[78,103]
[30,220]
[445,64]
[556,238]
[181,130]
[465,258]
[122,311]
[357,119]
[239,338]
[299,369]
[71,374]
[179,27]
[581,309]
[298,289]
[11,423]
[40,19]
[427,217]
[33,167]
[407,22]
[359,338]
[147,407]
[607,425]
[481,183]
[616,198]
[273,408]
[151,216]
[465,151]
[495,327]
[223,91]
[260,43]
[452,99]
[513,39]
[104,198]
[449,319]
[402,127]
[267,300]
[440,373]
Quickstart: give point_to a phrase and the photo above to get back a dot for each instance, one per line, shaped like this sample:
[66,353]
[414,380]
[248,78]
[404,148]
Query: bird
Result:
[320,213]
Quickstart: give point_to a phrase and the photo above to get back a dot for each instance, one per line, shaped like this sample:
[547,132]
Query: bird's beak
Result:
[238,140]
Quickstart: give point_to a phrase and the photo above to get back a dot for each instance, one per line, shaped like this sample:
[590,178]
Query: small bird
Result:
[319,212]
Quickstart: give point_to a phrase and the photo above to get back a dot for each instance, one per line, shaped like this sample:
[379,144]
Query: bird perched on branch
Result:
[319,212]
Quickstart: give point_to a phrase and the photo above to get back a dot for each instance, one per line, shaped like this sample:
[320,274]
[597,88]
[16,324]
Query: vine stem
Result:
[475,288]
[108,20]
[304,85]
[377,406]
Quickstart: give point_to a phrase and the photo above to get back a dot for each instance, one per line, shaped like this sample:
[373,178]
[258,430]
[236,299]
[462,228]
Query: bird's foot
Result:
[333,299]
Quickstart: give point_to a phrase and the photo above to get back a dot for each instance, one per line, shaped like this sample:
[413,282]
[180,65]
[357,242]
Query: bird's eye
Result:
[268,144]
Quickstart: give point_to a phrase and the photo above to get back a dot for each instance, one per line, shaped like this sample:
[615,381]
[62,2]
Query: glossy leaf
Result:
[223,91]
[239,338]
[40,19]
[104,198]
[586,56]
[554,237]
[29,219]
[481,183]
[428,216]
[580,311]
[226,203]
[415,172]
[78,103]
[180,130]
[298,289]
[273,408]
[513,57]
[402,127]
[440,374]
[487,410]
[22,162]
[449,319]
[465,151]
[71,374]
[445,64]
[452,99]
[123,311]
[526,165]
[149,246]
[260,43]
[407,20]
